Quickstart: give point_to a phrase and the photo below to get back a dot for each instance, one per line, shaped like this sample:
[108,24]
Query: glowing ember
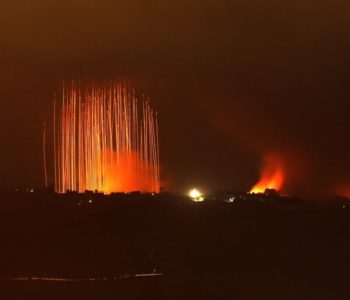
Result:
[103,143]
[272,175]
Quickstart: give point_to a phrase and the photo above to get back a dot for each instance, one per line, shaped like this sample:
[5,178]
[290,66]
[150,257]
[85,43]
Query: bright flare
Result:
[196,195]
[104,140]
[272,175]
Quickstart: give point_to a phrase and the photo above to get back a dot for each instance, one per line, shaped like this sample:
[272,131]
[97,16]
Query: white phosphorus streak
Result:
[105,140]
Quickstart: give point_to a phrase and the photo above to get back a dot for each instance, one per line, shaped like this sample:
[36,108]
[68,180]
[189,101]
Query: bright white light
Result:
[196,195]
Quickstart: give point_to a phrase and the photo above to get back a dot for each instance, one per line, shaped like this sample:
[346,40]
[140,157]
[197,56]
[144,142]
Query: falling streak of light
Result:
[44,154]
[54,140]
[102,143]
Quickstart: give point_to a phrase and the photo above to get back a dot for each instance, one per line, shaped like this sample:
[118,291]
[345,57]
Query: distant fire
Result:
[104,140]
[272,175]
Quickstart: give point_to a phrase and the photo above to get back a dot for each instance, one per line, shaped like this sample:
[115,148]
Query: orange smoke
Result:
[272,175]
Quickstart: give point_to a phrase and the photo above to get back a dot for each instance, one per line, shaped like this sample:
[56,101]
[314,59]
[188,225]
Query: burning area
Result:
[272,175]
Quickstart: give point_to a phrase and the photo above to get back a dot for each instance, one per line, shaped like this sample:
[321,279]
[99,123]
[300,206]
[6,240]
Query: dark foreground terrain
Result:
[204,250]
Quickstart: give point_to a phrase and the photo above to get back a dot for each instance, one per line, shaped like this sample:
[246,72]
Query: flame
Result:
[272,175]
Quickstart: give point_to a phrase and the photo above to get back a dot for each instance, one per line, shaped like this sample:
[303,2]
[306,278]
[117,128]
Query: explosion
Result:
[272,175]
[103,140]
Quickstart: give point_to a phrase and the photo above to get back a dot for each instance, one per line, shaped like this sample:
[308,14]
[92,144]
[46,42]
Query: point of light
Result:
[196,195]
[231,199]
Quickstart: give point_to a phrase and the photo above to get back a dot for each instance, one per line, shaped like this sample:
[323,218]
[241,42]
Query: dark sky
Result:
[232,82]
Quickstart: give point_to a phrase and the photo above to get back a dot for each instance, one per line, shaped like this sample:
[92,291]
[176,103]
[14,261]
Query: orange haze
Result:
[129,174]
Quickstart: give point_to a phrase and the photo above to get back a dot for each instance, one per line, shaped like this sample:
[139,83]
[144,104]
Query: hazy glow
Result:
[342,191]
[272,175]
[196,195]
[104,141]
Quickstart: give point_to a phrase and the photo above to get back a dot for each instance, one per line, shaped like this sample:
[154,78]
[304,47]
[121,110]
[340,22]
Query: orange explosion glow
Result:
[104,142]
[272,175]
[342,190]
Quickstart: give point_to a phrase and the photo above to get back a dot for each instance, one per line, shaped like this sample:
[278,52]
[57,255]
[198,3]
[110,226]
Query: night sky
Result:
[232,81]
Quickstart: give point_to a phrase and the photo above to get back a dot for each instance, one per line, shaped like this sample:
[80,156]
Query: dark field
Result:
[204,250]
